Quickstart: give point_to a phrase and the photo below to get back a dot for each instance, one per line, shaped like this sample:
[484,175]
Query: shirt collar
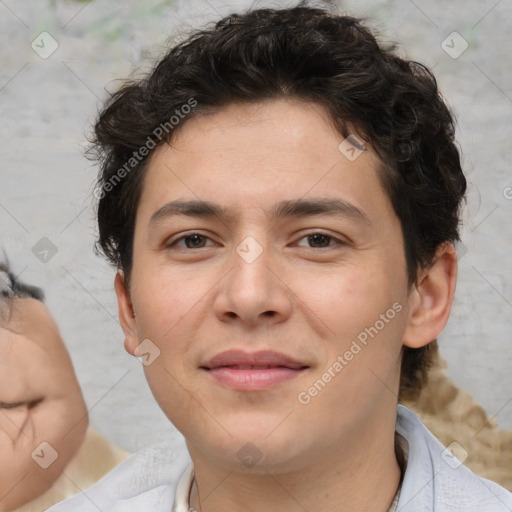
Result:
[182,497]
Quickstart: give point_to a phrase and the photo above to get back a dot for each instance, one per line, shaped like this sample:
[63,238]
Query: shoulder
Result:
[146,479]
[435,479]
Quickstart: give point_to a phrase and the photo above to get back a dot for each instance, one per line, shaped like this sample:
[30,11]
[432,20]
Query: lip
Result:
[260,358]
[252,371]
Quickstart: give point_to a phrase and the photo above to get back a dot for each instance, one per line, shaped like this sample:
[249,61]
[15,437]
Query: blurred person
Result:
[43,416]
[281,199]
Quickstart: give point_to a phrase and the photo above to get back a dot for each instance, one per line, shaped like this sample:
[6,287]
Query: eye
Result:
[191,241]
[15,405]
[320,240]
[4,405]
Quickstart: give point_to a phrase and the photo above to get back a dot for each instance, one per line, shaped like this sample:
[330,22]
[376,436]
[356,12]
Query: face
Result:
[40,401]
[273,318]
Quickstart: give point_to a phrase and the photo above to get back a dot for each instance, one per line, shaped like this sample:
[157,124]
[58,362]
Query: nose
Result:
[253,292]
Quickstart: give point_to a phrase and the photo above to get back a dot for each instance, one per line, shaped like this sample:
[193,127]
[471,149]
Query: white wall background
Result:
[47,105]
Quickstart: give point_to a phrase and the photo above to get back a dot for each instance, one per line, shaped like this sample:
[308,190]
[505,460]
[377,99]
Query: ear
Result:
[126,314]
[430,302]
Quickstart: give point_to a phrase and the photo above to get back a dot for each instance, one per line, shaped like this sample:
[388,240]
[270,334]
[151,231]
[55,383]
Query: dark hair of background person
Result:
[316,56]
[12,288]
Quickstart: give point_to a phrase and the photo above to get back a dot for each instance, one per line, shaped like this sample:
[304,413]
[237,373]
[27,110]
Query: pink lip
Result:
[245,371]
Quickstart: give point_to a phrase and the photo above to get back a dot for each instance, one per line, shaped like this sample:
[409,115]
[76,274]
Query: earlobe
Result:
[431,301]
[126,313]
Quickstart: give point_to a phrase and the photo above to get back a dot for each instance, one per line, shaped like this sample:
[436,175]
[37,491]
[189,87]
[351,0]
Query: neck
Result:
[365,478]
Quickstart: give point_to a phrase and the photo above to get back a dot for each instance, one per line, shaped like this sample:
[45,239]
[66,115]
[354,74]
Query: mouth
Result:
[256,371]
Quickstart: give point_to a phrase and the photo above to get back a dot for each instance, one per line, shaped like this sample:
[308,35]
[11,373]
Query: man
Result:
[280,197]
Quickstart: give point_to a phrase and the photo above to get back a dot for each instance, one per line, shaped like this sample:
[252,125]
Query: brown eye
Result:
[194,241]
[191,241]
[319,240]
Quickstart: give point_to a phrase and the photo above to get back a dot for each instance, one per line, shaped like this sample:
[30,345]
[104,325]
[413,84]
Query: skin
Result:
[40,401]
[305,298]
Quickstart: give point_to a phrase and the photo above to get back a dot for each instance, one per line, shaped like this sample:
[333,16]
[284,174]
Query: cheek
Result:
[12,421]
[161,300]
[365,316]
[169,312]
[347,299]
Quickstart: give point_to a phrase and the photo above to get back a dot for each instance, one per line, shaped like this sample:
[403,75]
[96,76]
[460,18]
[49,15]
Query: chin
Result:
[257,449]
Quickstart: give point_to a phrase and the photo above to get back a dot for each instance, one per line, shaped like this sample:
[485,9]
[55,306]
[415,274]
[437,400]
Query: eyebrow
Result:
[284,209]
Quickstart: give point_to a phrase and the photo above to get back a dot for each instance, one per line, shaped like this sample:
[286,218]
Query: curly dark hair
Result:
[315,56]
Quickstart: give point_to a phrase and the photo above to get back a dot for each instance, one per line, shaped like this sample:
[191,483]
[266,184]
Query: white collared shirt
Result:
[434,480]
[182,497]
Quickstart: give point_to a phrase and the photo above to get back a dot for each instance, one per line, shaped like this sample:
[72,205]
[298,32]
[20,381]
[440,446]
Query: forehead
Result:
[261,153]
[278,128]
[29,318]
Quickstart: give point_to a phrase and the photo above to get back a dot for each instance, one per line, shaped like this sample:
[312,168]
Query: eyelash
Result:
[15,405]
[5,405]
[190,235]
